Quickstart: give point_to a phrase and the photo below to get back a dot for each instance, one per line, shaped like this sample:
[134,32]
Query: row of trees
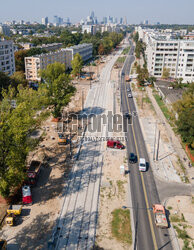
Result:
[185,111]
[18,122]
[107,40]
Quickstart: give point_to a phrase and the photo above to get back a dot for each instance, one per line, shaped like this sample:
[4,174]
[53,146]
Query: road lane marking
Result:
[142,180]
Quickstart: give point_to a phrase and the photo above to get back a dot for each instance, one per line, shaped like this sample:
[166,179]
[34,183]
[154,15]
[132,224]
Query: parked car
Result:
[128,90]
[115,144]
[129,95]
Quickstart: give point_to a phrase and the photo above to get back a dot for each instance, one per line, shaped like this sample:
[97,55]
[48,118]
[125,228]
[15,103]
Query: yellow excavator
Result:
[62,139]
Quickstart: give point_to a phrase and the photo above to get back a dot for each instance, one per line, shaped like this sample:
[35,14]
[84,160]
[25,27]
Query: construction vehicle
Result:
[88,77]
[16,209]
[115,144]
[33,172]
[26,195]
[12,212]
[3,244]
[127,78]
[160,216]
[62,140]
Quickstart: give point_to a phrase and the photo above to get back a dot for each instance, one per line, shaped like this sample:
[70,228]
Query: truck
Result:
[115,144]
[12,212]
[160,216]
[33,171]
[26,195]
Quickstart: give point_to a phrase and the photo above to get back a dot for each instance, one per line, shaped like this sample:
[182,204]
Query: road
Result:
[77,222]
[143,188]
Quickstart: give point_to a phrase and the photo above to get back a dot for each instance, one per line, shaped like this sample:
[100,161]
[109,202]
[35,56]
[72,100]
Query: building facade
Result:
[5,30]
[163,51]
[34,64]
[85,50]
[7,60]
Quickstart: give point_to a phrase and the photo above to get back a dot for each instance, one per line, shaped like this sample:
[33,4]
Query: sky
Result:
[163,11]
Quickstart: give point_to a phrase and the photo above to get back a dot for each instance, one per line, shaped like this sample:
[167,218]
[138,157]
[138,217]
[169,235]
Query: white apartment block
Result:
[164,51]
[36,63]
[7,60]
[85,50]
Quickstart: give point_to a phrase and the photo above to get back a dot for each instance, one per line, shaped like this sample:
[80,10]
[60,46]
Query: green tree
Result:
[77,64]
[101,49]
[15,143]
[4,82]
[165,73]
[185,111]
[136,37]
[19,60]
[59,89]
[18,78]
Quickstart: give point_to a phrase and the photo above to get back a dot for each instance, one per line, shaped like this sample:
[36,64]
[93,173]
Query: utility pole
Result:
[142,98]
[155,141]
[82,99]
[157,152]
[70,148]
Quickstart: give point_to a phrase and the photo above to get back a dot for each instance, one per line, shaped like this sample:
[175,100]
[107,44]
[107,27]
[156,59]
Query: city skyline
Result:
[134,12]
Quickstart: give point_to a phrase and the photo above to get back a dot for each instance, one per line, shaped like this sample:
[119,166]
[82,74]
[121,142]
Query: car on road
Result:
[123,74]
[142,164]
[132,158]
[128,90]
[130,95]
[127,115]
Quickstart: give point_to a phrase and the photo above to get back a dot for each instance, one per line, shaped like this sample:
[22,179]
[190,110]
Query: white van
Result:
[142,164]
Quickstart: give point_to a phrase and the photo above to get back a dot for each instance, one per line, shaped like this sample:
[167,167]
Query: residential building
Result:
[85,50]
[36,63]
[7,60]
[5,30]
[89,29]
[163,51]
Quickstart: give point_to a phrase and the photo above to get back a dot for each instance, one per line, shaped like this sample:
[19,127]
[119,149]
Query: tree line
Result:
[19,117]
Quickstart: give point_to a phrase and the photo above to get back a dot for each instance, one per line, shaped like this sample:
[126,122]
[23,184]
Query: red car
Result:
[115,144]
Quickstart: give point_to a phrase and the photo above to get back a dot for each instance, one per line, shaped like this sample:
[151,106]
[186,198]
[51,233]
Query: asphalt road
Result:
[143,188]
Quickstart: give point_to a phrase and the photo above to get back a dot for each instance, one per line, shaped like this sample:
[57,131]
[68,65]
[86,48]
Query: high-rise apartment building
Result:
[7,60]
[163,51]
[5,30]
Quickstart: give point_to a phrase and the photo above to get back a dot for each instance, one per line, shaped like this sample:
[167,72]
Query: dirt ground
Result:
[113,191]
[182,208]
[34,226]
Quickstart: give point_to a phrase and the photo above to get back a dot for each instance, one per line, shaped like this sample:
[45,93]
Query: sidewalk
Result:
[173,138]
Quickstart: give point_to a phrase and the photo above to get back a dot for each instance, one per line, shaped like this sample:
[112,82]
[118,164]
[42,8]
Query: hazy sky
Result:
[164,11]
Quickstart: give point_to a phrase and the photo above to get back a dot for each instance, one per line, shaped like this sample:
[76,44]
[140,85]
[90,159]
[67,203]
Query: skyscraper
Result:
[121,20]
[45,20]
[56,20]
[92,14]
[104,20]
[125,21]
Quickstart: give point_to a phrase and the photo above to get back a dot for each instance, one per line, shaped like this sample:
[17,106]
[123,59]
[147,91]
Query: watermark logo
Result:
[95,123]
